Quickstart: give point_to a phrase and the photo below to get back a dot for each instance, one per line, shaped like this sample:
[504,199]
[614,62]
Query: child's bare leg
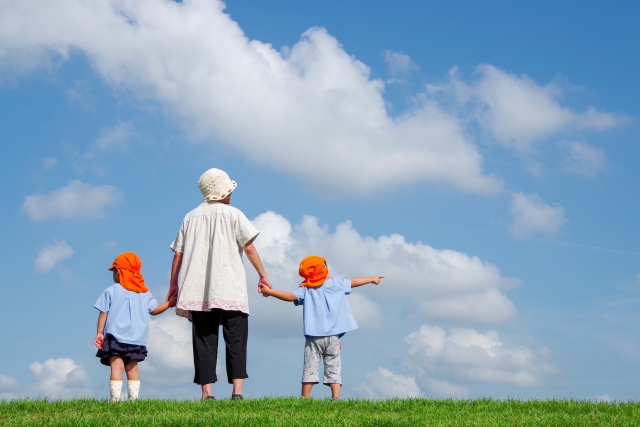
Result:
[306,389]
[133,379]
[117,367]
[132,370]
[115,384]
[335,390]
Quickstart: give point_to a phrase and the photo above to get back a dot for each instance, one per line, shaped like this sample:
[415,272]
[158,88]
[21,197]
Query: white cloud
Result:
[59,378]
[8,383]
[467,356]
[367,312]
[517,111]
[273,107]
[420,275]
[51,255]
[8,387]
[169,347]
[399,64]
[116,137]
[76,200]
[603,398]
[444,388]
[55,379]
[490,306]
[583,159]
[532,215]
[445,364]
[383,384]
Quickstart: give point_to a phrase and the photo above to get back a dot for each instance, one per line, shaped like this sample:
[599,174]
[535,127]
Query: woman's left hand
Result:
[264,281]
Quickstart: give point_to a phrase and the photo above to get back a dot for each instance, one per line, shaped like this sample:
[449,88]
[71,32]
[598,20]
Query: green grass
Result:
[299,412]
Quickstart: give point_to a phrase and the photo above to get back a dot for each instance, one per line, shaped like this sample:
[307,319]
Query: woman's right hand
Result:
[172,301]
[173,292]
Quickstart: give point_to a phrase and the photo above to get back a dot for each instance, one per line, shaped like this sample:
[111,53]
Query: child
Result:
[123,323]
[326,317]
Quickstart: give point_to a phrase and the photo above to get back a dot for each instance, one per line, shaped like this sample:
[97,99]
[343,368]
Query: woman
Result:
[207,263]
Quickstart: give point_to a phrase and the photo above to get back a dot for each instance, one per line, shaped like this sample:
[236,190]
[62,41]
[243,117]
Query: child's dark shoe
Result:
[236,397]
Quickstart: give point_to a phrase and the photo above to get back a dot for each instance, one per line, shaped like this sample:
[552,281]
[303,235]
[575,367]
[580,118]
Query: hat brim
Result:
[309,284]
[212,198]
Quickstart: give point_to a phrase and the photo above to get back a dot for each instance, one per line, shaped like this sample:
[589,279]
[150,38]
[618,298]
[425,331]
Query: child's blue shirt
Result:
[128,313]
[325,310]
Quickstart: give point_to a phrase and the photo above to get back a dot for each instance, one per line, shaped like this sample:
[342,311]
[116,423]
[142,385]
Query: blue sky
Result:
[482,157]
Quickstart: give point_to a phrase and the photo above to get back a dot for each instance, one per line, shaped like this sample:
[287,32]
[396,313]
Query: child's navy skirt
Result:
[128,352]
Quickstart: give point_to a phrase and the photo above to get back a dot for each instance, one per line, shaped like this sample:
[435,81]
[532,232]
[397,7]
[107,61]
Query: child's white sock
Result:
[133,388]
[115,388]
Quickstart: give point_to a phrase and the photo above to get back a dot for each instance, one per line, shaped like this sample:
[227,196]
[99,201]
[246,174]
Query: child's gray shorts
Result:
[329,349]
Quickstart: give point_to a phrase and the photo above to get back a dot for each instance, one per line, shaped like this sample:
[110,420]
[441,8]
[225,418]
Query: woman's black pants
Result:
[235,331]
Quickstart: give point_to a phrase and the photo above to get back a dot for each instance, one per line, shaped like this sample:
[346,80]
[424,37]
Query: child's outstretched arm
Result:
[281,295]
[161,308]
[102,319]
[359,281]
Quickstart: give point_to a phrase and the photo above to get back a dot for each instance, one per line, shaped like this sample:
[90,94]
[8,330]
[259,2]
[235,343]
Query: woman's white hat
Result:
[215,184]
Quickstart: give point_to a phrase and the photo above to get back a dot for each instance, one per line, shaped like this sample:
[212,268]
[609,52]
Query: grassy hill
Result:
[292,411]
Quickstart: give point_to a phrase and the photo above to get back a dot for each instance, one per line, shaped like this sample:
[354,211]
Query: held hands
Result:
[264,289]
[99,341]
[262,284]
[173,292]
[173,300]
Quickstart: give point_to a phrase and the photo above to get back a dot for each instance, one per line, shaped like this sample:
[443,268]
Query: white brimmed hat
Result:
[215,184]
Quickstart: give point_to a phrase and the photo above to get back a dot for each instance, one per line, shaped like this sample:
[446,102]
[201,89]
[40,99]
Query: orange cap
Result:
[314,270]
[129,265]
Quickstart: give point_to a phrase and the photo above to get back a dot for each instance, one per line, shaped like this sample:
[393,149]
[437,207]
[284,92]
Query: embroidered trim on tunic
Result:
[213,303]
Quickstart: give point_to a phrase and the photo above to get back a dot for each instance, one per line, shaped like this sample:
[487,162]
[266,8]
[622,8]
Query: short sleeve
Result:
[153,304]
[245,231]
[346,286]
[178,243]
[299,293]
[104,302]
